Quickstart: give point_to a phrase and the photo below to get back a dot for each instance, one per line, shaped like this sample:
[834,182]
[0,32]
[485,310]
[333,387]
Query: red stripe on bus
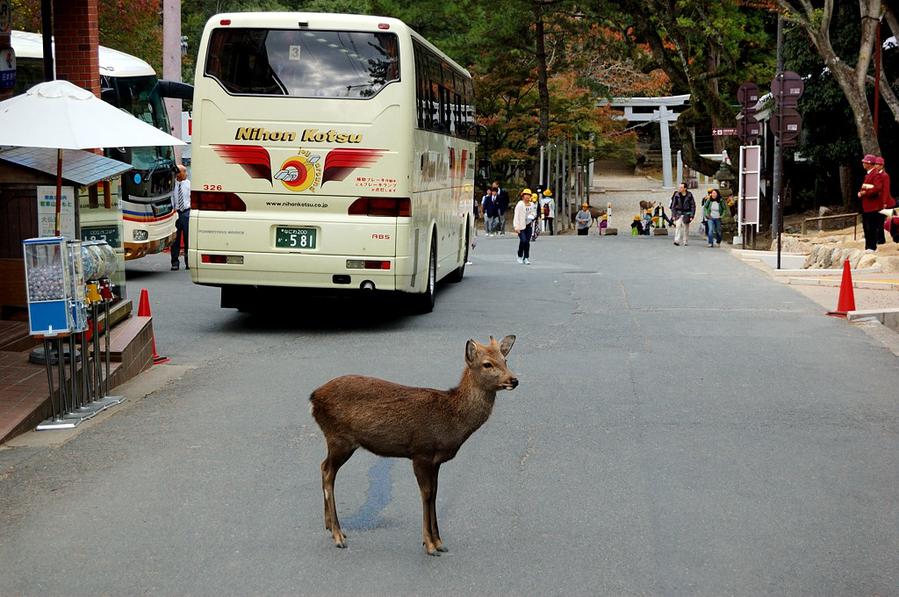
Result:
[340,162]
[254,159]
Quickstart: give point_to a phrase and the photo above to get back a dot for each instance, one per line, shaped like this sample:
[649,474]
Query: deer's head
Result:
[487,363]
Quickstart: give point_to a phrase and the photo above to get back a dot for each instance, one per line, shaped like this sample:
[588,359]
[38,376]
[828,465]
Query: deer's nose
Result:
[513,382]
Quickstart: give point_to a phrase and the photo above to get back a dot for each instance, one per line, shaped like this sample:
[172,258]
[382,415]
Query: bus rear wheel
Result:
[424,302]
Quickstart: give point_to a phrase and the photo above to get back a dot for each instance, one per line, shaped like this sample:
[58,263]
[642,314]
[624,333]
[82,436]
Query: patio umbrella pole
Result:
[58,190]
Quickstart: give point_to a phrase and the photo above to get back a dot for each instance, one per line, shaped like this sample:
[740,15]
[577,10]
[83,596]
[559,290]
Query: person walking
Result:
[871,195]
[181,204]
[712,212]
[683,208]
[523,226]
[548,207]
[491,213]
[502,197]
[583,219]
[886,195]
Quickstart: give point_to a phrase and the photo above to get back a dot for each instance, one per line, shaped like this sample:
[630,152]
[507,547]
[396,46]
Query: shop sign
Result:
[46,212]
[5,16]
[7,68]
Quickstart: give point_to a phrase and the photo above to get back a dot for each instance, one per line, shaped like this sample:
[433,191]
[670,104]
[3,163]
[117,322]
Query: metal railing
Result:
[820,219]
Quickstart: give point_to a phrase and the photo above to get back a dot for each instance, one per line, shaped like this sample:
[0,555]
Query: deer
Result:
[425,425]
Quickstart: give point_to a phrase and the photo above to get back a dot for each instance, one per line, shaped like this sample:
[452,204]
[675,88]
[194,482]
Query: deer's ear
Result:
[506,345]
[471,351]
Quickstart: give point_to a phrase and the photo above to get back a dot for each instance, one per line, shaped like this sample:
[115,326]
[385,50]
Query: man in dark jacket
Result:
[683,208]
[502,197]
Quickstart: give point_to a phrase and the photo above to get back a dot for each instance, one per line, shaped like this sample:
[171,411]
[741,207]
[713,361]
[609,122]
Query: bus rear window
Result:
[303,63]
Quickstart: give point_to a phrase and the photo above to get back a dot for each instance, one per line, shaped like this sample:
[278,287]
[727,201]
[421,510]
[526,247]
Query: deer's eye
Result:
[487,365]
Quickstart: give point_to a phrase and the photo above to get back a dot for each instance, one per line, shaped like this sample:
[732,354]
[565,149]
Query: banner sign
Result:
[46,212]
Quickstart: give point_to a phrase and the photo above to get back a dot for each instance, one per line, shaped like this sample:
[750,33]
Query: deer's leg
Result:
[338,453]
[435,532]
[424,473]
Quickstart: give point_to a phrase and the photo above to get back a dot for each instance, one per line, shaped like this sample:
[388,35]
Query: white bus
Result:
[128,83]
[329,152]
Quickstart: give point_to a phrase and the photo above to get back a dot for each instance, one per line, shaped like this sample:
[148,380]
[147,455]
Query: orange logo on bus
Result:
[300,172]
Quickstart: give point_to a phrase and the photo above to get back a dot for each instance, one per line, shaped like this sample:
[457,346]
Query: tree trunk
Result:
[542,75]
[861,111]
[846,185]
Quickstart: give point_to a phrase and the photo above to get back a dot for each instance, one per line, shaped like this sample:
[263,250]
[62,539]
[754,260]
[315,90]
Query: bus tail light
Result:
[394,207]
[216,201]
[367,264]
[228,259]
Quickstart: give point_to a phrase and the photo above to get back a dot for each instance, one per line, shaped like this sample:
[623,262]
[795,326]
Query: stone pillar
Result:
[76,33]
[171,61]
[664,115]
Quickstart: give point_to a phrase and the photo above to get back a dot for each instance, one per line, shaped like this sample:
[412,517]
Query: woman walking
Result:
[713,212]
[523,227]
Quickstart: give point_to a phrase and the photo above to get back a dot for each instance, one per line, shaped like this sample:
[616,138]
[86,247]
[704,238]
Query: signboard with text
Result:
[46,212]
[750,191]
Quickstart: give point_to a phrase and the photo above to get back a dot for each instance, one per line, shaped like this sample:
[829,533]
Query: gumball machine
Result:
[49,279]
[107,268]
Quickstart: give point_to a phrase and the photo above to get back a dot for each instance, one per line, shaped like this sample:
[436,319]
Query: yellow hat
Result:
[525,192]
[585,205]
[547,193]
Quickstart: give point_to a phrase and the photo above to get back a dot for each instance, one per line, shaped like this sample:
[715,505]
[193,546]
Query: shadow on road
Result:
[299,311]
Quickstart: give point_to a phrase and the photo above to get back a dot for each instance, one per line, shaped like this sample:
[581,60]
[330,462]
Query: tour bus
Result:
[329,152]
[128,83]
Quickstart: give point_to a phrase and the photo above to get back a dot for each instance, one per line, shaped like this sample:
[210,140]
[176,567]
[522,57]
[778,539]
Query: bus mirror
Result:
[176,90]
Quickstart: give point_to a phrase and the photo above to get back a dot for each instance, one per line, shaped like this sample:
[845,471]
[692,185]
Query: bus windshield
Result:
[306,63]
[139,97]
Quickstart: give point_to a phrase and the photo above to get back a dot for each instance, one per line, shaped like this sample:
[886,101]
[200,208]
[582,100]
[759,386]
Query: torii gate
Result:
[663,112]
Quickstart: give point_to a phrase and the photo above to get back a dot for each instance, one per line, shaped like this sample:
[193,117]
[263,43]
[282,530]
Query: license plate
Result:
[108,233]
[161,209]
[295,238]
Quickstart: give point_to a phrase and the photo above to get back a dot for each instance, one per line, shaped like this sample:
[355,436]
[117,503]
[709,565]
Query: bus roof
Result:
[322,20]
[112,62]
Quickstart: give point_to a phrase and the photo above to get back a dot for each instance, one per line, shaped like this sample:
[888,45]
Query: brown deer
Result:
[425,425]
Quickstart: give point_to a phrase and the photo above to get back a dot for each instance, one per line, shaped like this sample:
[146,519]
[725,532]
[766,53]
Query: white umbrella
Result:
[61,115]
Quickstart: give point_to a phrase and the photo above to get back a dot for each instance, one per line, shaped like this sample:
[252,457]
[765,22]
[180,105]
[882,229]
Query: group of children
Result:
[541,211]
[713,207]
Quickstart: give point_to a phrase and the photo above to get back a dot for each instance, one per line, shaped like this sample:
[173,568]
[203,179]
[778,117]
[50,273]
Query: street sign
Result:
[786,125]
[750,187]
[724,132]
[787,88]
[748,95]
[748,128]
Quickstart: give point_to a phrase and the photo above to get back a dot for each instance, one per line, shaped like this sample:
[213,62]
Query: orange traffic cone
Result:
[143,310]
[846,302]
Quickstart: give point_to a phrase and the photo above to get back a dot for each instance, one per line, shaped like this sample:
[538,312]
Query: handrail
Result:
[835,217]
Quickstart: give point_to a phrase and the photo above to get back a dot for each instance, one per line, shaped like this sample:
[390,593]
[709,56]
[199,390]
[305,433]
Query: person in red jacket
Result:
[871,195]
[888,201]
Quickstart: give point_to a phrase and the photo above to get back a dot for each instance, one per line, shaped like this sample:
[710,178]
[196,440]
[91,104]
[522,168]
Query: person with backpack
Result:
[683,208]
[548,209]
[523,225]
[712,212]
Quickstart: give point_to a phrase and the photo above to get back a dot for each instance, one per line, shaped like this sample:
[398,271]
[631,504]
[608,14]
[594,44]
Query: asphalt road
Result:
[684,425]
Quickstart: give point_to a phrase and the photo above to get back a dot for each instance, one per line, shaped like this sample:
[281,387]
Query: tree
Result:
[851,75]
[706,48]
[133,27]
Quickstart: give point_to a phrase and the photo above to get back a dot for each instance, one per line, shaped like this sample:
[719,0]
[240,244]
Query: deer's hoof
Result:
[434,552]
[340,544]
[442,548]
